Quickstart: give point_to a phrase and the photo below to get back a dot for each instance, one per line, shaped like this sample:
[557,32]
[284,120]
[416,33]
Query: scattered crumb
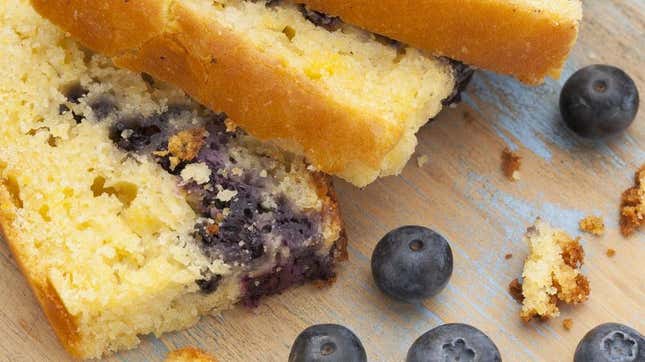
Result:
[592,225]
[422,160]
[632,206]
[551,273]
[198,172]
[185,145]
[515,290]
[508,256]
[611,252]
[567,324]
[189,354]
[226,195]
[511,163]
[230,125]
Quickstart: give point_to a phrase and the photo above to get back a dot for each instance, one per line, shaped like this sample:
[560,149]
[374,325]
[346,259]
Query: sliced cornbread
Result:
[350,101]
[529,39]
[551,272]
[133,210]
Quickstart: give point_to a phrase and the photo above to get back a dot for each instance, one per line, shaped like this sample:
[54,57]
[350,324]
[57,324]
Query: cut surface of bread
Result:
[189,354]
[133,210]
[551,272]
[529,39]
[350,101]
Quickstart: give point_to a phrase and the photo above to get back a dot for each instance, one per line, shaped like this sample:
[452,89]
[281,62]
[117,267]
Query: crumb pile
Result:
[632,207]
[592,225]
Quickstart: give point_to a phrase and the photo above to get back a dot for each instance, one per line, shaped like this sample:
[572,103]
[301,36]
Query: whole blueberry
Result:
[327,343]
[611,342]
[412,263]
[599,101]
[453,342]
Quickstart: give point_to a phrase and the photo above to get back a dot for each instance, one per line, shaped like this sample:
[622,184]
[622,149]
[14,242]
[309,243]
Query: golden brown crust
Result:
[632,206]
[216,67]
[59,318]
[327,193]
[189,354]
[496,35]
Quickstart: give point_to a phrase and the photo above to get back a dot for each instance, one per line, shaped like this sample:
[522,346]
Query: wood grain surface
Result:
[462,193]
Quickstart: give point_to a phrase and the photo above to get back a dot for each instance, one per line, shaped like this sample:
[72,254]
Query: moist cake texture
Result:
[349,100]
[551,273]
[130,208]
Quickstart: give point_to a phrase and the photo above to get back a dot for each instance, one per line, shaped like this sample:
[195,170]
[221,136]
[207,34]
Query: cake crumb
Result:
[511,163]
[551,272]
[515,290]
[567,324]
[611,252]
[422,160]
[592,225]
[632,206]
[508,256]
[198,172]
[185,145]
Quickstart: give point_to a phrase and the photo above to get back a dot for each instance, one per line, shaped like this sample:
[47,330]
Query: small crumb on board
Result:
[611,252]
[515,290]
[508,256]
[511,163]
[593,225]
[422,160]
[567,324]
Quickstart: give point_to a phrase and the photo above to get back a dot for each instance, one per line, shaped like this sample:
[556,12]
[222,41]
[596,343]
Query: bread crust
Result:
[59,318]
[215,66]
[527,43]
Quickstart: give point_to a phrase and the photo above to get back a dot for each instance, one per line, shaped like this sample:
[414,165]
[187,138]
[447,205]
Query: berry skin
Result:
[611,342]
[599,101]
[327,343]
[453,342]
[412,263]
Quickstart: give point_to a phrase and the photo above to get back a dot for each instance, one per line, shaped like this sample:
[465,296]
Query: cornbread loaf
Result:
[349,100]
[551,272]
[529,39]
[133,210]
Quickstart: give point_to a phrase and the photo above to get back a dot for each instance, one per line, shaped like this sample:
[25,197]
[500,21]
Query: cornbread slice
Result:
[189,354]
[133,210]
[632,206]
[551,272]
[348,100]
[529,39]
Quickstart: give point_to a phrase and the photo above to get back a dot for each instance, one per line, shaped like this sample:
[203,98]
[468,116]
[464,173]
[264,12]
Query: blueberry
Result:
[412,263]
[598,101]
[327,343]
[453,342]
[611,342]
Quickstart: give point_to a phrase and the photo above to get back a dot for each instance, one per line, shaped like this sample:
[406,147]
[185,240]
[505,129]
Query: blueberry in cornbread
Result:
[611,342]
[350,101]
[327,343]
[412,263]
[453,342]
[130,208]
[599,101]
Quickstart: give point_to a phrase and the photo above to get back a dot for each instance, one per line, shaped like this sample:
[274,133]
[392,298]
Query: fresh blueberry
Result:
[453,342]
[598,101]
[611,342]
[327,343]
[412,263]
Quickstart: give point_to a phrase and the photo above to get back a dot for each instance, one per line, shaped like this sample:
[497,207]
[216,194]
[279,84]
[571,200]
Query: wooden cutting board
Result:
[462,193]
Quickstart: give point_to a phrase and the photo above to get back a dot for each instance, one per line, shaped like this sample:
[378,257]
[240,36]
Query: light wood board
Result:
[462,193]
